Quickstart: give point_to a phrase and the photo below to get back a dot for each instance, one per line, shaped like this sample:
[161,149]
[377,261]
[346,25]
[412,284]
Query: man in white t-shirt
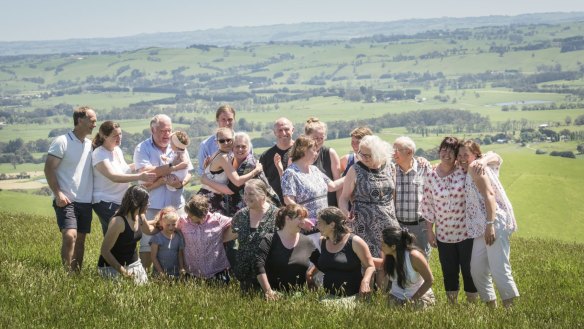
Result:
[69,175]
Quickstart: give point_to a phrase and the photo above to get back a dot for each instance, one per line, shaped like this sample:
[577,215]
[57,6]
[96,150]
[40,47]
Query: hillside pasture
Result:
[37,293]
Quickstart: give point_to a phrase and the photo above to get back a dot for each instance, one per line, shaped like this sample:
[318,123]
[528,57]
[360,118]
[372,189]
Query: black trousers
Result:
[455,259]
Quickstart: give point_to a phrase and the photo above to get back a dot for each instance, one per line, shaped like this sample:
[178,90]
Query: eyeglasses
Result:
[363,155]
[225,141]
[399,150]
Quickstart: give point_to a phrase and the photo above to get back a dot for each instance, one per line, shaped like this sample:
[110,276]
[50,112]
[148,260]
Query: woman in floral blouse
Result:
[490,221]
[443,207]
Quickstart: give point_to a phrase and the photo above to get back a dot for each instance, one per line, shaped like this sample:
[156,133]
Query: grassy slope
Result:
[36,293]
[544,190]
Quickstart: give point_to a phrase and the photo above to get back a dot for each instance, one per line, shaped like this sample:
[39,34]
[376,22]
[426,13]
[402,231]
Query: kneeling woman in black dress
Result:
[284,256]
[344,258]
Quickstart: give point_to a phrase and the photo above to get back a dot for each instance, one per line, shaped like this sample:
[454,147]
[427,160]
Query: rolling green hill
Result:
[475,69]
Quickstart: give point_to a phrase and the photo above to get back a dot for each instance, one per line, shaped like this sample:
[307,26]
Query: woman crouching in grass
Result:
[119,257]
[409,273]
[284,257]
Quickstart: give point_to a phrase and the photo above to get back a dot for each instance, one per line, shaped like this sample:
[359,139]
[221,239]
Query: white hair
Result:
[245,137]
[381,151]
[158,118]
[406,142]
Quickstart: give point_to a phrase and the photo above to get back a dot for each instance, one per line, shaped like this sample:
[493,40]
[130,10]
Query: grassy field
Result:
[545,191]
[37,294]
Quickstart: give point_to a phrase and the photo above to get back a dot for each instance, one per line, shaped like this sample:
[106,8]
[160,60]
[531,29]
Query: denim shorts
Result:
[105,211]
[75,215]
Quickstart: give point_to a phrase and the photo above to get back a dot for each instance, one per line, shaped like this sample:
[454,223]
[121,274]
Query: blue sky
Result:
[66,19]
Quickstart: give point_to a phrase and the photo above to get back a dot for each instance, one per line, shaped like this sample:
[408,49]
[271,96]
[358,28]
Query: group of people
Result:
[300,216]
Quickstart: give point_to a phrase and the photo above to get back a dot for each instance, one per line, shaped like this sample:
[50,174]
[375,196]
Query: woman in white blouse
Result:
[490,222]
[111,173]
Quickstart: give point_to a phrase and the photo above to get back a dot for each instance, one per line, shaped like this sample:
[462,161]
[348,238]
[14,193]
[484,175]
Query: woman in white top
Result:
[409,273]
[111,173]
[490,221]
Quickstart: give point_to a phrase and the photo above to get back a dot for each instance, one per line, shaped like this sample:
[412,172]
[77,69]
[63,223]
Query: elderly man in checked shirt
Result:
[409,190]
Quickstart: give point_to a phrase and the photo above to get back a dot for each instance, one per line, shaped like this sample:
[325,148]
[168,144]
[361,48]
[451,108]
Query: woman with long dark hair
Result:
[119,256]
[409,273]
[111,173]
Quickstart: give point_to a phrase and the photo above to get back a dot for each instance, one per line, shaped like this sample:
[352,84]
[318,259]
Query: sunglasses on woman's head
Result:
[227,140]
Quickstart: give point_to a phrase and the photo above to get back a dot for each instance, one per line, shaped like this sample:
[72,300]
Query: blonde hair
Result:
[224,130]
[313,124]
[165,213]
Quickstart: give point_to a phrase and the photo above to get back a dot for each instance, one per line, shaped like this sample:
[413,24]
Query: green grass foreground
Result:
[37,293]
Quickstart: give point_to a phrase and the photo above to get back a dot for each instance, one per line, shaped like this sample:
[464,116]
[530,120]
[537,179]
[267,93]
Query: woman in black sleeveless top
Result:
[327,160]
[119,256]
[342,257]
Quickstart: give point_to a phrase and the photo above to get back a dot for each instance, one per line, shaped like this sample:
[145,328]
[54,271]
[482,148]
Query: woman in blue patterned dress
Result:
[304,184]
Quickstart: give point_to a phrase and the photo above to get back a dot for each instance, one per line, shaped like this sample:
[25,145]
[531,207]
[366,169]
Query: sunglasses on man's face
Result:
[227,140]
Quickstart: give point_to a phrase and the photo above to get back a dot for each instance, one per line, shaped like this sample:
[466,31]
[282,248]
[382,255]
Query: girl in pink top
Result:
[203,233]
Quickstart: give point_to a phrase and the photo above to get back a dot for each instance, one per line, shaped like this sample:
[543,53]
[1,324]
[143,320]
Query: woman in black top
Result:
[342,257]
[327,159]
[284,257]
[119,256]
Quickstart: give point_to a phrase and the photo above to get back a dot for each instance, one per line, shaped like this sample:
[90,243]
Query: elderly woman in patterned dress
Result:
[370,185]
